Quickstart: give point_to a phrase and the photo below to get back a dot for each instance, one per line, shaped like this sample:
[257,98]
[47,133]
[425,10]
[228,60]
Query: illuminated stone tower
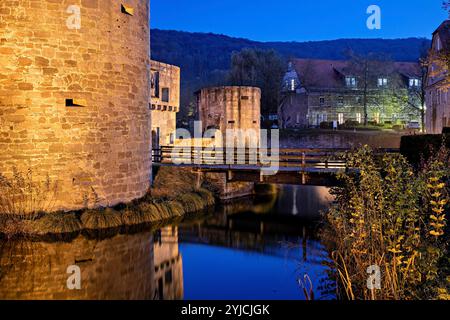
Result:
[230,108]
[74,93]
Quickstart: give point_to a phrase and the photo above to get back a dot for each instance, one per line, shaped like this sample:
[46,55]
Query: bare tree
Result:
[367,69]
[259,68]
[415,99]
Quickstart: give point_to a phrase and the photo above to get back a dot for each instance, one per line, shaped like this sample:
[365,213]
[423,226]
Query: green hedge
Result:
[414,148]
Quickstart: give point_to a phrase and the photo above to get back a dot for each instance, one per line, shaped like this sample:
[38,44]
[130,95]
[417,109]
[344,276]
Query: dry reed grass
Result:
[393,217]
[22,197]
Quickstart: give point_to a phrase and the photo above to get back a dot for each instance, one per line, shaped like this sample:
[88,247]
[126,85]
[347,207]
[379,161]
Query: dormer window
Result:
[350,81]
[290,80]
[322,101]
[292,85]
[414,83]
[382,82]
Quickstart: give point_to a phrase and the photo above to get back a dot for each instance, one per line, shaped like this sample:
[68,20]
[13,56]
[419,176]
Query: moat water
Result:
[259,247]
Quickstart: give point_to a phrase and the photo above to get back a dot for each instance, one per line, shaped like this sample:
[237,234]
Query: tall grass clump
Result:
[54,223]
[101,219]
[389,215]
[22,197]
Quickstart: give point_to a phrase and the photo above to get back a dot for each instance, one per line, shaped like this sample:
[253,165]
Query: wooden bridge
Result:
[314,166]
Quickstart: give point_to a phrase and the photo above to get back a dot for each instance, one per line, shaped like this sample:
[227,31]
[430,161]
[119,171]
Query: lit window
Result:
[358,117]
[376,117]
[340,118]
[292,84]
[413,82]
[350,82]
[382,82]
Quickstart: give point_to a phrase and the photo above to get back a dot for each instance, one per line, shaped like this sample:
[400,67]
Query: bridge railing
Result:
[286,157]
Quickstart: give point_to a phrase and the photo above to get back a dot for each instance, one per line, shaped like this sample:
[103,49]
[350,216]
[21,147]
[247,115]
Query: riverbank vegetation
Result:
[24,206]
[392,216]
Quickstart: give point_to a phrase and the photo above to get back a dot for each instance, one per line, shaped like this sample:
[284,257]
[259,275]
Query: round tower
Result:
[231,107]
[74,92]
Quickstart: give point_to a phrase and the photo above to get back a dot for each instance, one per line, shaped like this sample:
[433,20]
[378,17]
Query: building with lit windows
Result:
[437,83]
[318,92]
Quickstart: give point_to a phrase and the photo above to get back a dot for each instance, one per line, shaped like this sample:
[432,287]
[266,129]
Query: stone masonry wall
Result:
[230,108]
[102,143]
[229,190]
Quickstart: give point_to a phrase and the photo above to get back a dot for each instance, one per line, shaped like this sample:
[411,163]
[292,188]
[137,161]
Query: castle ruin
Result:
[74,97]
[165,102]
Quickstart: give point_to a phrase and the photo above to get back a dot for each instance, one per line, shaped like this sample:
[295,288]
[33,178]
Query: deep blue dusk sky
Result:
[298,20]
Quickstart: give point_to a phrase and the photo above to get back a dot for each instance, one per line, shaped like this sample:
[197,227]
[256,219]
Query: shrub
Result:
[350,124]
[419,148]
[326,125]
[389,215]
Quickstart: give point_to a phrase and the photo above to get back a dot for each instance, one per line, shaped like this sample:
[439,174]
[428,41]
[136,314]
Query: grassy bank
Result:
[174,195]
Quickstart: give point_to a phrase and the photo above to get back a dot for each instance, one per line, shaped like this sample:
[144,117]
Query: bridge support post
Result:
[303,177]
[261,177]
[229,175]
[230,224]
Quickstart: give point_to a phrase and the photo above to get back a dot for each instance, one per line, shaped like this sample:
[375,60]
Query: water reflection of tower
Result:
[168,265]
[117,268]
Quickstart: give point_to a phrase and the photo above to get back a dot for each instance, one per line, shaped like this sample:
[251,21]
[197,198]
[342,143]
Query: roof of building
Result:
[331,73]
[154,64]
[444,33]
